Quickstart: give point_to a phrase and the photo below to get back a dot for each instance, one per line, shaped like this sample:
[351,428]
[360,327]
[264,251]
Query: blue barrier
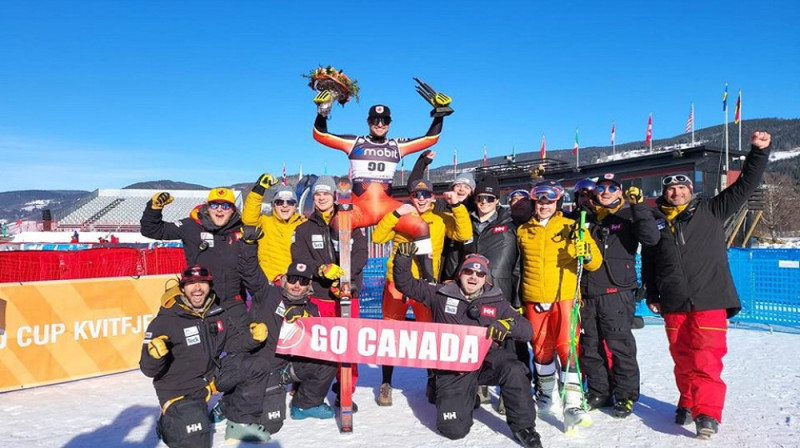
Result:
[766,279]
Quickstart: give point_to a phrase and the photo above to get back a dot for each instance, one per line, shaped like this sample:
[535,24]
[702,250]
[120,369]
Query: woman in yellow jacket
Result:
[274,255]
[549,248]
[454,224]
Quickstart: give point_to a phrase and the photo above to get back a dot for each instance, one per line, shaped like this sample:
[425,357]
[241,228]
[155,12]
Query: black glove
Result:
[500,329]
[407,249]
[251,234]
[265,181]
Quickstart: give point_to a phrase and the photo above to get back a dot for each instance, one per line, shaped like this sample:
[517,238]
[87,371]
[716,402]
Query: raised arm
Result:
[152,222]
[412,145]
[342,142]
[732,198]
[411,287]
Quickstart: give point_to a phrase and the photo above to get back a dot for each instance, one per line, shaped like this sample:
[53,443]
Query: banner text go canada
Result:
[386,342]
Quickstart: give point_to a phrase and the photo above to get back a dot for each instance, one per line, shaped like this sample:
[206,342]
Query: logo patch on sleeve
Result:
[499,229]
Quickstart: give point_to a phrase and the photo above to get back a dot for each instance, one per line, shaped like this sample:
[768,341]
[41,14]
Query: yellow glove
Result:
[211,389]
[295,312]
[330,271]
[259,331]
[323,97]
[159,200]
[157,347]
[408,249]
[441,100]
[500,329]
[634,195]
[582,250]
[251,234]
[265,181]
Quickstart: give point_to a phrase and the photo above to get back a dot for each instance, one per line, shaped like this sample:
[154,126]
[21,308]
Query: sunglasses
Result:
[280,202]
[485,198]
[304,281]
[546,192]
[375,121]
[609,188]
[222,205]
[468,272]
[422,194]
[676,179]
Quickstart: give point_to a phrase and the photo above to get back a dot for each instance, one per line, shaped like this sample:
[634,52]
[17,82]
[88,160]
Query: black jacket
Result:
[316,243]
[215,248]
[689,267]
[618,236]
[268,302]
[498,242]
[195,344]
[449,306]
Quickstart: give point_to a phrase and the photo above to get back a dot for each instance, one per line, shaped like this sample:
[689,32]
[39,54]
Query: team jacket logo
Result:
[449,415]
[488,311]
[499,229]
[291,334]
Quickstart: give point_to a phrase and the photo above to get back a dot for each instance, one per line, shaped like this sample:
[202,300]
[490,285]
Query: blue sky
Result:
[102,94]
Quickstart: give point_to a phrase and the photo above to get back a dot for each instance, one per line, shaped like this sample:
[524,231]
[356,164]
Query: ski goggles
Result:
[375,121]
[280,202]
[548,192]
[602,188]
[488,198]
[422,194]
[676,179]
[222,205]
[521,193]
[304,281]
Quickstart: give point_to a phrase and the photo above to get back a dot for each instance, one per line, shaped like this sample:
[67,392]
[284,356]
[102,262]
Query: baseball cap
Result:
[222,194]
[379,111]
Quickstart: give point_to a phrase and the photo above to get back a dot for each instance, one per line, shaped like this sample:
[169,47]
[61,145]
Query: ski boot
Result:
[547,399]
[706,426]
[683,416]
[322,412]
[623,408]
[528,438]
[246,432]
[574,413]
[596,402]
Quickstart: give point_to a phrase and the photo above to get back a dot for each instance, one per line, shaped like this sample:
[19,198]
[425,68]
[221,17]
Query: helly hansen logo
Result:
[499,229]
[488,311]
[194,427]
[448,415]
[274,415]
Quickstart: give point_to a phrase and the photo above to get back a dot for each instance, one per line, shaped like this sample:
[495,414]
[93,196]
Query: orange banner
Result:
[70,329]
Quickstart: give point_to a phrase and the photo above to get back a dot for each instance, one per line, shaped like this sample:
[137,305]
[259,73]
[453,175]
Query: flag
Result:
[300,176]
[485,158]
[737,114]
[575,147]
[725,98]
[285,182]
[543,150]
[690,121]
[613,133]
[648,140]
[455,160]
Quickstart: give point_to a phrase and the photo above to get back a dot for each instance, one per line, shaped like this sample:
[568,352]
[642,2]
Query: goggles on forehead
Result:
[222,205]
[675,179]
[280,202]
[304,281]
[548,192]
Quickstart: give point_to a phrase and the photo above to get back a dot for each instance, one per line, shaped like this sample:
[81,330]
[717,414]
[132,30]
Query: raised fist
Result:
[160,200]
[760,139]
[265,181]
[634,195]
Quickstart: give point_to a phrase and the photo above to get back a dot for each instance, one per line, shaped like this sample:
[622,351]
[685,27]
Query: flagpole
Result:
[455,163]
[739,108]
[613,137]
[692,124]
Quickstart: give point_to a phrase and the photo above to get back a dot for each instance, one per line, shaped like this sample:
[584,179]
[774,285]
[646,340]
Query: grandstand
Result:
[119,210]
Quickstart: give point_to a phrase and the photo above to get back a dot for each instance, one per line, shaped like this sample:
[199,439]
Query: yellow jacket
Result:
[274,255]
[454,224]
[547,255]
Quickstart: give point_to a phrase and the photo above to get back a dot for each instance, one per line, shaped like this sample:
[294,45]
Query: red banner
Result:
[386,342]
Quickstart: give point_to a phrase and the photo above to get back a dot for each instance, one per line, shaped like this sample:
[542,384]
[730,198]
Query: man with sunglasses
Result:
[618,224]
[316,244]
[274,250]
[272,304]
[182,352]
[210,237]
[472,299]
[454,224]
[549,248]
[689,282]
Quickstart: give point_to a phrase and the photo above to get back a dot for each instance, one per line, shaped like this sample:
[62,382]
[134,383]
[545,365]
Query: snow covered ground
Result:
[762,410]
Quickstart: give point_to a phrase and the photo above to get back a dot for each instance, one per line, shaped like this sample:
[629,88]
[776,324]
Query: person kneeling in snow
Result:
[182,353]
[472,300]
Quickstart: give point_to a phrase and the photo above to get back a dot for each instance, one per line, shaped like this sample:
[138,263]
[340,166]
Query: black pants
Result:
[608,318]
[243,378]
[314,378]
[185,424]
[455,394]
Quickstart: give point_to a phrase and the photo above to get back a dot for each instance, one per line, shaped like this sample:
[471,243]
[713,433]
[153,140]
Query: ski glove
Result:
[265,181]
[251,234]
[295,312]
[157,347]
[160,200]
[582,250]
[634,195]
[331,271]
[211,389]
[500,329]
[259,331]
[407,249]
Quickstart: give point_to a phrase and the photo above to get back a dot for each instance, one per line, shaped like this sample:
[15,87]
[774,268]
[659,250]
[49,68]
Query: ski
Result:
[344,210]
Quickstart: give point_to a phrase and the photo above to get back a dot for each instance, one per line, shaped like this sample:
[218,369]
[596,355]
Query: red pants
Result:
[394,308]
[697,343]
[331,308]
[373,203]
[551,332]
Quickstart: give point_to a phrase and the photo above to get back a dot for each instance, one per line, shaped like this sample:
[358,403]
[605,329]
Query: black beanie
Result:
[488,185]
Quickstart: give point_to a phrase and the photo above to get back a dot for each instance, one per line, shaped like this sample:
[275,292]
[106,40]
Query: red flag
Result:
[648,141]
[738,113]
[485,158]
[690,121]
[543,150]
[285,182]
[613,133]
